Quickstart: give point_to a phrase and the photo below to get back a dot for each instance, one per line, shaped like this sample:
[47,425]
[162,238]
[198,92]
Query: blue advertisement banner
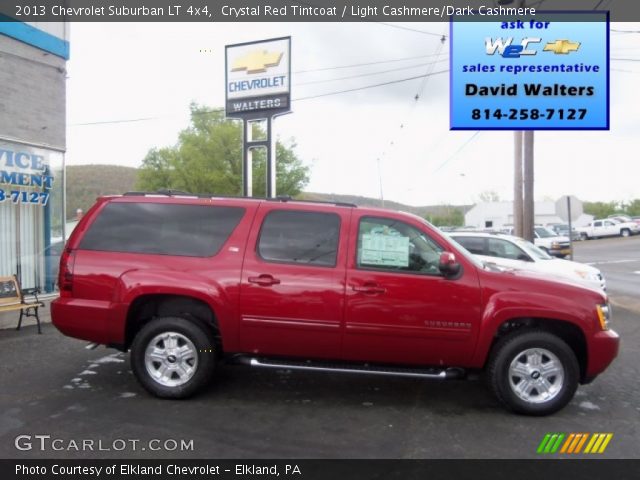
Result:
[530,74]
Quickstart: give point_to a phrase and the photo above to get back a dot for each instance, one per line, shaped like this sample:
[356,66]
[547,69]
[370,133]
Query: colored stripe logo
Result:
[574,443]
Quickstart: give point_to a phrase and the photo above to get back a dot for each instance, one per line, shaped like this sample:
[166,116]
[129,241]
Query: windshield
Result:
[535,252]
[545,233]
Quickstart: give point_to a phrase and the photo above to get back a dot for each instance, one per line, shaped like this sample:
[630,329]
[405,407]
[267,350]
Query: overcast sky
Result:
[152,71]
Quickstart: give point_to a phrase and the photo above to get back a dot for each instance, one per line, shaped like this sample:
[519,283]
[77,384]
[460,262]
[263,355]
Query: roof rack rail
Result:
[167,193]
[289,198]
[279,198]
[170,192]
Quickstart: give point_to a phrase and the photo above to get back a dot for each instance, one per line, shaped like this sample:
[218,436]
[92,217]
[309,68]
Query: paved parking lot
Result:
[52,386]
[619,260]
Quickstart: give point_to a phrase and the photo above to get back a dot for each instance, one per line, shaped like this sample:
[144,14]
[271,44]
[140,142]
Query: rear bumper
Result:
[603,349]
[80,319]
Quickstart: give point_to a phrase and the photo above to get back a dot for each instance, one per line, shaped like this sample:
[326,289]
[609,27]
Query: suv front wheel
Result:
[173,357]
[533,372]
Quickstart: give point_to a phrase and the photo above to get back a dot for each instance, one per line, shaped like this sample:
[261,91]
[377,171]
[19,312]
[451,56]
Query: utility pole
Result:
[523,204]
[528,219]
[517,185]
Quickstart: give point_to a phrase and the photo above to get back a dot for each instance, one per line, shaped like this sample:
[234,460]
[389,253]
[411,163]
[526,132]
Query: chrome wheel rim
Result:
[536,375]
[171,359]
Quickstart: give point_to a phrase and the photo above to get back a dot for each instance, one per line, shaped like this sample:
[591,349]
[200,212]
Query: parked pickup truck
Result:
[551,242]
[548,240]
[608,227]
[186,282]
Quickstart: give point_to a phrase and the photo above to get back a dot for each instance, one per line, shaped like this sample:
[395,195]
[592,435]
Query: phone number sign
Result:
[541,73]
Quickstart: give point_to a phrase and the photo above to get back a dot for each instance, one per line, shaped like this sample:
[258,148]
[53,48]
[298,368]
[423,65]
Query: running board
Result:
[431,373]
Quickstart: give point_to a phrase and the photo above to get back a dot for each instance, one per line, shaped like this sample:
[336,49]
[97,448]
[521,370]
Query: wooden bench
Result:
[12,300]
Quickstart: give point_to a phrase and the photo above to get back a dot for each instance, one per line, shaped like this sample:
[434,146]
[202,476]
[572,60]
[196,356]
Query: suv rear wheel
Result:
[172,357]
[533,372]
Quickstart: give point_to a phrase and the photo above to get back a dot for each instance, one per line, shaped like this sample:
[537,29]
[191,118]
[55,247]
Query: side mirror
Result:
[448,264]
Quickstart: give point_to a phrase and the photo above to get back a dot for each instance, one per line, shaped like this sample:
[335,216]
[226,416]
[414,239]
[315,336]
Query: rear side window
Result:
[300,237]
[162,229]
[475,245]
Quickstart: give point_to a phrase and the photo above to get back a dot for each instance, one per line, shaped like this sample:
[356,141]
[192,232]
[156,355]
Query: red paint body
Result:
[316,312]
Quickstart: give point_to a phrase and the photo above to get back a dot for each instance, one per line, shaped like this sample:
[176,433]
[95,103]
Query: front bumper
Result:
[603,349]
[561,251]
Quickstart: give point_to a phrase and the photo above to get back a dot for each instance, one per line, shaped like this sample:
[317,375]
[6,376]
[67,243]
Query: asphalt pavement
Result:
[52,386]
[619,260]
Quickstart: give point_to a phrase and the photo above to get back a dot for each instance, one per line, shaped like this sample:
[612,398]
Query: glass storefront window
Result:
[32,228]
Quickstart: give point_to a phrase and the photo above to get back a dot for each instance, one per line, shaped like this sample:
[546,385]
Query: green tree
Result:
[208,159]
[600,209]
[451,217]
[633,208]
[489,196]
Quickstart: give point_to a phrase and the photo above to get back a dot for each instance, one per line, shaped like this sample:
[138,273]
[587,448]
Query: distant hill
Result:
[421,211]
[87,182]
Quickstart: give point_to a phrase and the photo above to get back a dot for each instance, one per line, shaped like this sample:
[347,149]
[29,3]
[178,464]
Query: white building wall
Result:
[500,214]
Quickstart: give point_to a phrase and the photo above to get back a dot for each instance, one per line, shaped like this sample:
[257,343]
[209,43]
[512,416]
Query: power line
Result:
[363,64]
[129,120]
[469,140]
[624,31]
[404,121]
[401,27]
[418,95]
[371,73]
[369,86]
[625,71]
[310,97]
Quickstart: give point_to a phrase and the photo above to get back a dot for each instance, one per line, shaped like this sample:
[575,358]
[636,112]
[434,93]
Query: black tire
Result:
[200,354]
[513,347]
[584,236]
[625,232]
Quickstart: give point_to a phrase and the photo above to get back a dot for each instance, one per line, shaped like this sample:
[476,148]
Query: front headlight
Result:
[592,277]
[604,315]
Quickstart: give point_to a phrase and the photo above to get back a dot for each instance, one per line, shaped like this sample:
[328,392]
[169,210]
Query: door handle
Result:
[371,289]
[264,280]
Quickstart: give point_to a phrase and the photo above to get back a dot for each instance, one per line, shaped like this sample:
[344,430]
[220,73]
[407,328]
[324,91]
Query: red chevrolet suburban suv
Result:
[186,282]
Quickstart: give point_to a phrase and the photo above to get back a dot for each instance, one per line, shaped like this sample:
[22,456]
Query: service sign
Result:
[538,73]
[258,77]
[25,176]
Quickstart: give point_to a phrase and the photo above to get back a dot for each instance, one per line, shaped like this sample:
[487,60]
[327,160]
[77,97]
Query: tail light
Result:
[65,275]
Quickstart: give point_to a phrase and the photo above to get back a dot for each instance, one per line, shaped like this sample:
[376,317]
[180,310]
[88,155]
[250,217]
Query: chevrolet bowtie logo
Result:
[562,47]
[257,62]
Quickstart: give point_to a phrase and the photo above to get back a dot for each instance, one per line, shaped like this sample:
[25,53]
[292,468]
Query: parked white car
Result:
[608,227]
[549,241]
[512,252]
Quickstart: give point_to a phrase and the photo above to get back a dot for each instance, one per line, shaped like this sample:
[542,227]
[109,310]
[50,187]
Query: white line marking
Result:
[614,261]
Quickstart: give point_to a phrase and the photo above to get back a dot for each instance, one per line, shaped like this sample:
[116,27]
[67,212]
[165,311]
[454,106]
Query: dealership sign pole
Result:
[258,89]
